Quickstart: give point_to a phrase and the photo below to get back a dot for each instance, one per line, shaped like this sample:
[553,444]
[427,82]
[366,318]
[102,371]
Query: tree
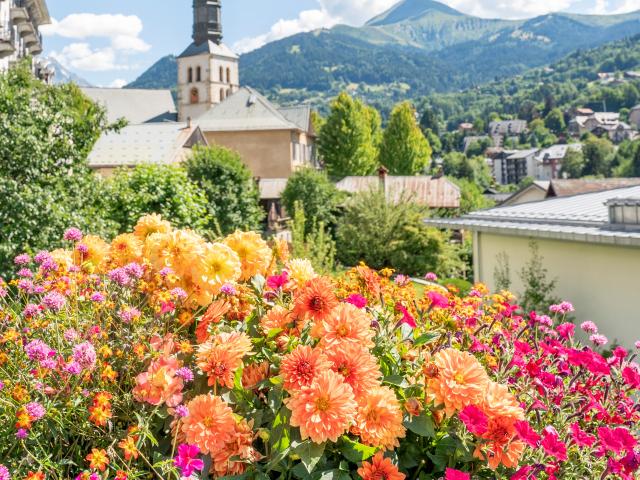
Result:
[388,234]
[476,170]
[554,121]
[232,194]
[573,164]
[429,121]
[404,149]
[478,147]
[162,189]
[635,164]
[317,245]
[598,155]
[538,288]
[316,195]
[348,140]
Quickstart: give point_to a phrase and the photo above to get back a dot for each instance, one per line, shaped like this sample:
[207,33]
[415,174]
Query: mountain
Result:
[415,48]
[64,75]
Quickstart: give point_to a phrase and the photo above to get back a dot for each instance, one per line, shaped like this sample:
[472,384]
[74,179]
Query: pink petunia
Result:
[631,376]
[437,300]
[187,460]
[451,474]
[474,419]
[527,434]
[356,300]
[580,437]
[553,446]
[566,330]
[407,318]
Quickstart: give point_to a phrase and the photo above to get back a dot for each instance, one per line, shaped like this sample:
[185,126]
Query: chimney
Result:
[189,123]
[382,178]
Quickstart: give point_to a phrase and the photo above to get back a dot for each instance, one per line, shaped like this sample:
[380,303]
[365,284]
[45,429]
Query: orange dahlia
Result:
[460,380]
[380,468]
[502,446]
[323,410]
[150,224]
[316,300]
[356,364]
[301,367]
[278,318]
[209,425]
[253,374]
[126,248]
[160,384]
[237,453]
[214,314]
[379,418]
[255,255]
[498,401]
[222,355]
[346,324]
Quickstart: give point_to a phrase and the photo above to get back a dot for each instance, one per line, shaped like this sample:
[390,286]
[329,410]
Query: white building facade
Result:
[20,21]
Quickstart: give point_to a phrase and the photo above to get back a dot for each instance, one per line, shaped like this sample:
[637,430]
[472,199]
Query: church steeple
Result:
[207,21]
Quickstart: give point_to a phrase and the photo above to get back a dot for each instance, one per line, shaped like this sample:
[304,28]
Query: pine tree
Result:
[348,140]
[404,149]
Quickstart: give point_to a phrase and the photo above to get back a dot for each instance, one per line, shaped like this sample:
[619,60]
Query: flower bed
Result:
[161,355]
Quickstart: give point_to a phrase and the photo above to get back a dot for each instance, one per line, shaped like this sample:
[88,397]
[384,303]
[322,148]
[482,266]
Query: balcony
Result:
[6,45]
[19,15]
[36,49]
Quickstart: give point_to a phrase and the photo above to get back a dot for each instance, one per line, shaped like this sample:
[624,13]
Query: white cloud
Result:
[118,83]
[122,32]
[357,12]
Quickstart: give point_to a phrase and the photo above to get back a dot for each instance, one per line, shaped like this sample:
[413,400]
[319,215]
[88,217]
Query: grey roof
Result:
[157,143]
[135,105]
[208,47]
[299,115]
[582,218]
[272,188]
[245,110]
[520,154]
[508,127]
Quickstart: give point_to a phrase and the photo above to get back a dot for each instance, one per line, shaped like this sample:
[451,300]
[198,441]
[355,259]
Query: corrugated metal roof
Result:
[429,191]
[565,188]
[579,217]
[272,188]
[157,143]
[135,105]
[245,110]
[209,47]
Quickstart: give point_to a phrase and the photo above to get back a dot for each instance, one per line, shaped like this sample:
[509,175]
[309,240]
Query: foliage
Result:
[404,149]
[316,244]
[502,272]
[478,147]
[474,169]
[391,234]
[554,121]
[239,362]
[163,189]
[598,155]
[573,164]
[316,194]
[233,198]
[538,288]
[348,140]
[471,198]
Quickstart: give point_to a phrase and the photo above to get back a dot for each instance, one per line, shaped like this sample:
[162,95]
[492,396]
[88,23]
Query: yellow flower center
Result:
[459,378]
[209,422]
[343,330]
[322,404]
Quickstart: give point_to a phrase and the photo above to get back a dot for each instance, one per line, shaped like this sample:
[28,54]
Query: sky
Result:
[111,42]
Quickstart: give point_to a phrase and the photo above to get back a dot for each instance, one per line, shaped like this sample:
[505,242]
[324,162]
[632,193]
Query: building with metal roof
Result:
[150,143]
[589,242]
[134,105]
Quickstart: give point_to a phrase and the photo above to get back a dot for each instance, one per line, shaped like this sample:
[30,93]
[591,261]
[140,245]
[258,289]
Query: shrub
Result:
[233,198]
[317,196]
[388,234]
[318,246]
[162,189]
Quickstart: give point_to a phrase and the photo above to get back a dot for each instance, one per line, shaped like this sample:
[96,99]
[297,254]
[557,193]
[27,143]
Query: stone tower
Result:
[207,70]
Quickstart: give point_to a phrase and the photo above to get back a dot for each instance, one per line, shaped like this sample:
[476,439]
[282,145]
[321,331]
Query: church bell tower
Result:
[207,70]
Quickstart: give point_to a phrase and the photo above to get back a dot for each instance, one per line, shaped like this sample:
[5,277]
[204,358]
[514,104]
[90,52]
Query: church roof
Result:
[135,105]
[245,110]
[156,143]
[209,47]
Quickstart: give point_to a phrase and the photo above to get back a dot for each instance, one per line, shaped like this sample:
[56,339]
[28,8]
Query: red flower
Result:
[580,437]
[451,474]
[631,377]
[566,330]
[527,434]
[523,473]
[407,318]
[474,419]
[554,447]
[615,440]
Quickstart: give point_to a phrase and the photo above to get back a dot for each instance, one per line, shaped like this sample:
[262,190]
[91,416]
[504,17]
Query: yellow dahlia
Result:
[217,265]
[92,251]
[150,224]
[253,251]
[126,248]
[300,272]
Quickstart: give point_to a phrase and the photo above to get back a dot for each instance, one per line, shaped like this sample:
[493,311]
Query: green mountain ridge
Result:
[416,48]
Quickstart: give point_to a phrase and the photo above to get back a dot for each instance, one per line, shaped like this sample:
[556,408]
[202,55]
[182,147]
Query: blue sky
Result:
[110,42]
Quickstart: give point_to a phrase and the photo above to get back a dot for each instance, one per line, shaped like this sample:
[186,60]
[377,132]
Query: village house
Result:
[588,242]
[550,160]
[20,22]
[602,124]
[513,166]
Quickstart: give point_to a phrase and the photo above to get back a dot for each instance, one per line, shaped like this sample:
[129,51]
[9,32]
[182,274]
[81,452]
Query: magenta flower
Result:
[98,297]
[580,437]
[120,276]
[407,318]
[4,473]
[42,257]
[182,411]
[186,459]
[356,300]
[566,330]
[474,419]
[276,282]
[72,235]
[431,277]
[185,374]
[134,269]
[54,301]
[402,280]
[451,474]
[35,410]
[554,447]
[527,434]
[38,351]
[31,310]
[85,355]
[22,259]
[437,300]
[229,289]
[21,434]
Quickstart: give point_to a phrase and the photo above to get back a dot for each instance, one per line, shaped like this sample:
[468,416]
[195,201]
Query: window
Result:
[228,75]
[228,93]
[198,74]
[195,95]
[221,94]
[221,75]
[190,75]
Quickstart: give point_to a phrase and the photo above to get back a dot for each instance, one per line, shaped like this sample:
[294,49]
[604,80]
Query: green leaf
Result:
[310,454]
[426,338]
[395,380]
[274,332]
[281,435]
[421,425]
[354,451]
[334,475]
